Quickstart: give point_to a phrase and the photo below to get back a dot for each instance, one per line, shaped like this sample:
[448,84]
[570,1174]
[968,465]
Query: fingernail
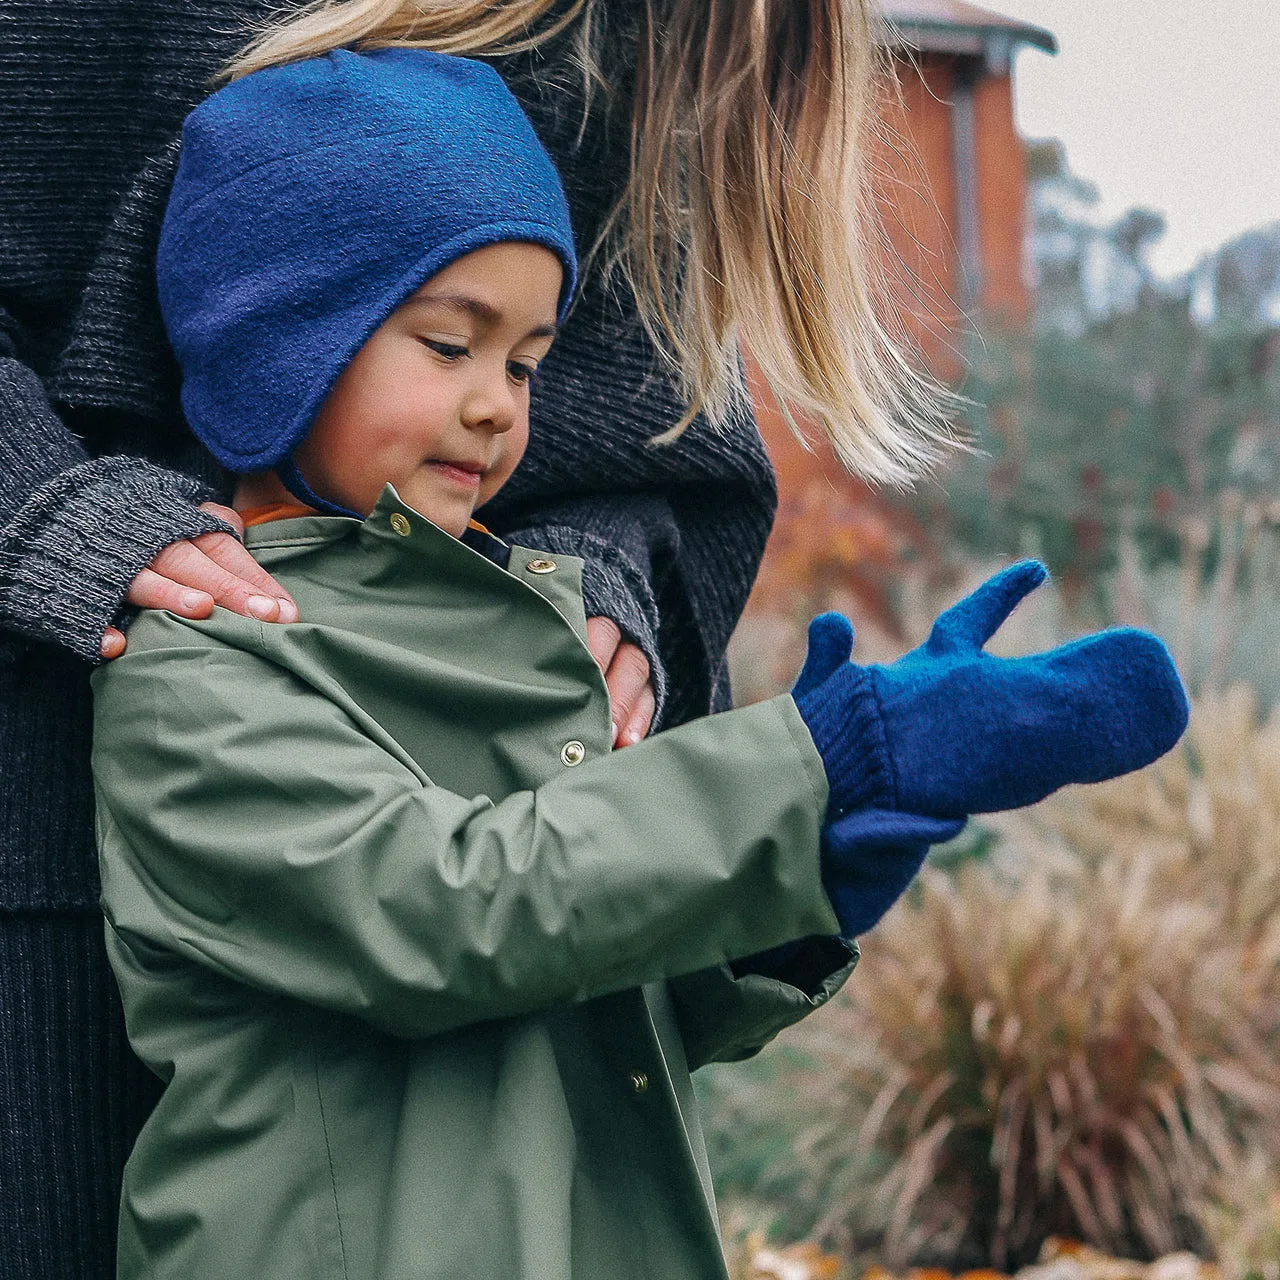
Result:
[263,607]
[194,599]
[288,610]
[613,732]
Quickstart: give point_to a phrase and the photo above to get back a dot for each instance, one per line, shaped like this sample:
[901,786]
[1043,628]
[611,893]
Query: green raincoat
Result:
[424,966]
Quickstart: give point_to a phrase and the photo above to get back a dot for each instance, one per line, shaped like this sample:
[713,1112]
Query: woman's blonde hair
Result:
[747,216]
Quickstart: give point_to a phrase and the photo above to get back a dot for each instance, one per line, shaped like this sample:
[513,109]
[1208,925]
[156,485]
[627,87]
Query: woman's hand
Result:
[626,672]
[189,577]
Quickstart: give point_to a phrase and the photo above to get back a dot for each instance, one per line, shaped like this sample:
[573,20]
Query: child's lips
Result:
[466,474]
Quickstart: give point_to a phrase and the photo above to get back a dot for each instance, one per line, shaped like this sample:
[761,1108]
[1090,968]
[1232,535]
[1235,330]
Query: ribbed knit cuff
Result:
[68,555]
[843,718]
[612,587]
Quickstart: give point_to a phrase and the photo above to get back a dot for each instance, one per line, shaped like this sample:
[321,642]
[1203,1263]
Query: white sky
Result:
[1171,104]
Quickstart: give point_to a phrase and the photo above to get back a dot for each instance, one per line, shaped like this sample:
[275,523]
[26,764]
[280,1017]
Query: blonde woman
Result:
[713,154]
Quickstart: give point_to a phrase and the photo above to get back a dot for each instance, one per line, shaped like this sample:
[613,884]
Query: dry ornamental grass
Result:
[1077,1036]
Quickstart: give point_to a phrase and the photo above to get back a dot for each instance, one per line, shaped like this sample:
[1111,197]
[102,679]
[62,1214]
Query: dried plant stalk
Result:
[1077,1037]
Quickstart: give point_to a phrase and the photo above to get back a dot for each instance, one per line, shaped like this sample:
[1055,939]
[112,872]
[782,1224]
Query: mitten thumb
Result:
[830,644]
[971,623]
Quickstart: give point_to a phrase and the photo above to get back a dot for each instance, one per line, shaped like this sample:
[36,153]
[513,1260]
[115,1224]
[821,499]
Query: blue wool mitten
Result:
[949,730]
[870,857]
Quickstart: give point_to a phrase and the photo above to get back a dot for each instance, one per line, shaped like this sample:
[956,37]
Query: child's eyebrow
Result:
[482,311]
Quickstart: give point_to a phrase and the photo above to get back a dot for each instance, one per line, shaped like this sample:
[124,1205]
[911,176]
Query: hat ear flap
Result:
[292,478]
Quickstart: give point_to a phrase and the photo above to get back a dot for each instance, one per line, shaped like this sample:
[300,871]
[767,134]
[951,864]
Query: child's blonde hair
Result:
[747,215]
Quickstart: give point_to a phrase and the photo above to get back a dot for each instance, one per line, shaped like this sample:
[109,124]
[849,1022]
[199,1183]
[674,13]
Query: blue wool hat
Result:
[311,200]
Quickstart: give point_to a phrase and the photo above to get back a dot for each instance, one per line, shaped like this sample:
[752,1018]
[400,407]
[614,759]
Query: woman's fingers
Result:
[232,556]
[630,694]
[152,590]
[112,645]
[193,582]
[637,727]
[603,638]
[626,672]
[228,515]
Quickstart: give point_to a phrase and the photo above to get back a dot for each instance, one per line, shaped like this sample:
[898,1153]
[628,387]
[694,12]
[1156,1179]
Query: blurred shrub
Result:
[1244,1221]
[1078,1036]
[1138,427]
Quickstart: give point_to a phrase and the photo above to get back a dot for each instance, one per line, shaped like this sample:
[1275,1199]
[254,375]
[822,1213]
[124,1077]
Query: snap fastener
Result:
[639,1082]
[542,566]
[401,524]
[572,753]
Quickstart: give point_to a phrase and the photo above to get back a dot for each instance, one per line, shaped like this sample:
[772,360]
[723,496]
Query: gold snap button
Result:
[639,1081]
[401,524]
[572,753]
[541,566]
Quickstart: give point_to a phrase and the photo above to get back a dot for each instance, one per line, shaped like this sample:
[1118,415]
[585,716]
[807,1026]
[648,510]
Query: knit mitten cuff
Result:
[843,718]
[612,587]
[70,552]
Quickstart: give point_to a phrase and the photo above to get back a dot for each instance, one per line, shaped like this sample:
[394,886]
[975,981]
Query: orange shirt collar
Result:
[291,510]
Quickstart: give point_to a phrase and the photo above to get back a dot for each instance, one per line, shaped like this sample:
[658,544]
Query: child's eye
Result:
[521,372]
[448,350]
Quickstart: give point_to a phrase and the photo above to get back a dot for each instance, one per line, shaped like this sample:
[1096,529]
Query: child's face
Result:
[437,401]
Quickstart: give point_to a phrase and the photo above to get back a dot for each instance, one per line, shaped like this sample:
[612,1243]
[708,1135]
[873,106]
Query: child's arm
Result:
[251,827]
[949,730]
[731,1011]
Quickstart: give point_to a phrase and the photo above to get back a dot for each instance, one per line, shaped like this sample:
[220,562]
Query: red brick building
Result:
[953,191]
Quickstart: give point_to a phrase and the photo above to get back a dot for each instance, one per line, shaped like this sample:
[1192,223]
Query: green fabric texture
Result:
[420,990]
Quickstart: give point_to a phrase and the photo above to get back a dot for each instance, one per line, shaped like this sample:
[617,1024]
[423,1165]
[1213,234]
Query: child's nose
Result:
[493,402]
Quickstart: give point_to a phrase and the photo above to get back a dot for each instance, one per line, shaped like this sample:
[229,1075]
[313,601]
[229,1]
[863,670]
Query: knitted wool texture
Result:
[870,857]
[310,201]
[951,730]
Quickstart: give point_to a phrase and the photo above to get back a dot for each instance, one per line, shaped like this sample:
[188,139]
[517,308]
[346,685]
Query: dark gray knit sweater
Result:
[97,474]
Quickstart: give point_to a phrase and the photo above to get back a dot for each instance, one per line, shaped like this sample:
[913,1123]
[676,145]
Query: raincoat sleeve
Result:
[248,824]
[732,1010]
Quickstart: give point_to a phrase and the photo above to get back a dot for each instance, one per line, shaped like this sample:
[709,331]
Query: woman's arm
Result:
[87,525]
[82,537]
[76,531]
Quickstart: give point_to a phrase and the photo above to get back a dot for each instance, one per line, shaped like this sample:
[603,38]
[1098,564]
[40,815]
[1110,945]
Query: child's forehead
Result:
[476,308]
[491,288]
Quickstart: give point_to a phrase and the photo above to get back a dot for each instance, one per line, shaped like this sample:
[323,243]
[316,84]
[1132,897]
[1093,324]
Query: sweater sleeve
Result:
[75,530]
[627,544]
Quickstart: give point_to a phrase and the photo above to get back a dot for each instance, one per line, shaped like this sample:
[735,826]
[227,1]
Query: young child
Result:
[423,965]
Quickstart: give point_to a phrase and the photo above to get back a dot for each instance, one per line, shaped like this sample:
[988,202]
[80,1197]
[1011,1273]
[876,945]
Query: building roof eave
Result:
[952,26]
